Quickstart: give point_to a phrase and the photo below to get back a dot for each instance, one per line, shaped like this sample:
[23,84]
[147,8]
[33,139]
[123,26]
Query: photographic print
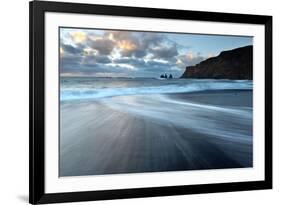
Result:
[142,101]
[129,102]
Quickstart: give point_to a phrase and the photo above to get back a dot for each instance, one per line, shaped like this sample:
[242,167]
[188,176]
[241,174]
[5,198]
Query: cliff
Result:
[232,64]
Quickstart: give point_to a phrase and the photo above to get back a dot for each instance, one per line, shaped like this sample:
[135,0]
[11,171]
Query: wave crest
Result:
[92,93]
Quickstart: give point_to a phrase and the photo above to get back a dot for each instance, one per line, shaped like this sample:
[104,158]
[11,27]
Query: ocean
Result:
[88,88]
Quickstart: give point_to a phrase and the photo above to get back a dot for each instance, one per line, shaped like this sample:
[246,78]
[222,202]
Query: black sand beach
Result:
[173,132]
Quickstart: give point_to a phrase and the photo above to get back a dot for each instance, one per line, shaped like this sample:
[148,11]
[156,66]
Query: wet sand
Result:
[100,138]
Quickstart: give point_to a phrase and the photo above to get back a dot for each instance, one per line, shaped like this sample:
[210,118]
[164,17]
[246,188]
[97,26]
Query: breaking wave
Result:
[87,93]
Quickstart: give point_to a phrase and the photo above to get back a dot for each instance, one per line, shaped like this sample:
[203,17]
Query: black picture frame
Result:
[37,194]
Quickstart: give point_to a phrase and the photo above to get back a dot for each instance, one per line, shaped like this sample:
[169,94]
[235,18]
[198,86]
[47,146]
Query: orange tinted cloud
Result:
[126,45]
[79,36]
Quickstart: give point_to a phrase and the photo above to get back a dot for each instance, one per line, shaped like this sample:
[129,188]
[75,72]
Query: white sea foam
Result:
[87,92]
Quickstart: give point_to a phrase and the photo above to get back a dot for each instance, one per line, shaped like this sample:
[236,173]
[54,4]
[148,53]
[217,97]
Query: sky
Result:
[116,53]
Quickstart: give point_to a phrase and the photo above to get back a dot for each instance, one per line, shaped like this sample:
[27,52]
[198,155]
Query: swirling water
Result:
[182,120]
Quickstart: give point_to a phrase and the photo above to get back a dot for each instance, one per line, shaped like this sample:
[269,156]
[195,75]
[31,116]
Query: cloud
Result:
[70,63]
[132,44]
[115,53]
[94,59]
[125,42]
[147,67]
[66,48]
[164,52]
[103,46]
[136,62]
[189,59]
[79,36]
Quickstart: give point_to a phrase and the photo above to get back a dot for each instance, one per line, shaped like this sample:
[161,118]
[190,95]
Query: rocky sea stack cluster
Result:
[166,76]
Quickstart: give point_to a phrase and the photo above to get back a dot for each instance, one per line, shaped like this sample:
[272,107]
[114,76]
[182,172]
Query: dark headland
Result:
[231,64]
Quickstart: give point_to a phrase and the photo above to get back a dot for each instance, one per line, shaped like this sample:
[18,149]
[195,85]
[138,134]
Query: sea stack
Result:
[231,64]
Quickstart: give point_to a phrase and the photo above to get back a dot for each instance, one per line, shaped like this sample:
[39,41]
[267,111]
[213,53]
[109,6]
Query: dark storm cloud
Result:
[71,49]
[74,59]
[103,46]
[85,64]
[146,41]
[79,66]
[164,52]
[70,61]
[88,60]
